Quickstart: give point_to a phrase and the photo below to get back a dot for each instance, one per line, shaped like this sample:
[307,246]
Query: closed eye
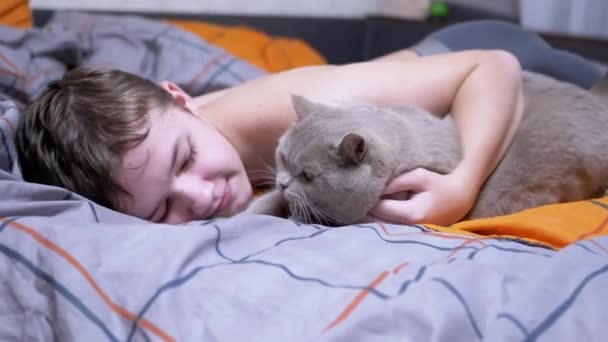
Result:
[191,158]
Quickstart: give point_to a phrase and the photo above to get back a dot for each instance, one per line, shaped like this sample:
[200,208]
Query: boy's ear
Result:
[179,95]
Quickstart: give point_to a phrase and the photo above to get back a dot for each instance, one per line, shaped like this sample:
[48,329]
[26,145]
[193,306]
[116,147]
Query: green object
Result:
[438,9]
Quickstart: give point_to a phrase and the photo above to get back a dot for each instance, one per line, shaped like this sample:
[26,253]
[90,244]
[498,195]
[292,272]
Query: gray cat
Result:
[334,163]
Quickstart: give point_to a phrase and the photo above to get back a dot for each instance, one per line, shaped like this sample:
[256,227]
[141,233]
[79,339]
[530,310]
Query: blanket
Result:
[267,52]
[72,270]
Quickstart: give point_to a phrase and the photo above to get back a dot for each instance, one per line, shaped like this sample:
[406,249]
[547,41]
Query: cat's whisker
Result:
[314,210]
[267,167]
[295,207]
[311,214]
[267,173]
[315,213]
[304,211]
[263,184]
[328,217]
[267,182]
[303,207]
[321,216]
[271,172]
[261,176]
[328,220]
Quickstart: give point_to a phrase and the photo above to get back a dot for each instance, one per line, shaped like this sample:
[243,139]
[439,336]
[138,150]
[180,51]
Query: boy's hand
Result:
[437,199]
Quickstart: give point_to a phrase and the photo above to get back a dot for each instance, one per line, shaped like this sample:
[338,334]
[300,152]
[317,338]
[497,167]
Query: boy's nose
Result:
[195,194]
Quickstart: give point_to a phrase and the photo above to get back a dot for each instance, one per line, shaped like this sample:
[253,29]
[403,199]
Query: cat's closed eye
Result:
[307,176]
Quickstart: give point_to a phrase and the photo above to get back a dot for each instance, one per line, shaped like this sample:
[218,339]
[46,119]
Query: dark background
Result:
[349,40]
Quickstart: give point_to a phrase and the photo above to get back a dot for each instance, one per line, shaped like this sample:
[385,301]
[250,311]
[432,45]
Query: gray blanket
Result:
[71,270]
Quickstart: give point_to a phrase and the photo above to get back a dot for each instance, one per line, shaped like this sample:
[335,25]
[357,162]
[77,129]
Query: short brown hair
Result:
[78,129]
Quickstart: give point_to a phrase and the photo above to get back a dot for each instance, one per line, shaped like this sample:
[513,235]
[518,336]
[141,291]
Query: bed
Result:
[71,270]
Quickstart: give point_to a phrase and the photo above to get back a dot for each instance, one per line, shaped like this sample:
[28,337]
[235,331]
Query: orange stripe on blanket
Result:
[14,74]
[469,241]
[10,63]
[455,235]
[143,323]
[393,234]
[438,234]
[597,244]
[400,267]
[358,299]
[26,79]
[204,71]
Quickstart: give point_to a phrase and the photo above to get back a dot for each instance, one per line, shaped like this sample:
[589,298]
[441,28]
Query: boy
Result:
[156,153]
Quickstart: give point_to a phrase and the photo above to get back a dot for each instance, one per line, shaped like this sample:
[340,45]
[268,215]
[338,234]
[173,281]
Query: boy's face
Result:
[184,170]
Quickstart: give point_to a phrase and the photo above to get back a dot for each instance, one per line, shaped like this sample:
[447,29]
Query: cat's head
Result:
[331,169]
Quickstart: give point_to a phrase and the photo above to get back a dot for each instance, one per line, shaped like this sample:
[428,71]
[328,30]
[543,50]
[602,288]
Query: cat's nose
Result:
[283,180]
[282,185]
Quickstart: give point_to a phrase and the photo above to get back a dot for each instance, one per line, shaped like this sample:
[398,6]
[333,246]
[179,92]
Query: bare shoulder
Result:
[255,114]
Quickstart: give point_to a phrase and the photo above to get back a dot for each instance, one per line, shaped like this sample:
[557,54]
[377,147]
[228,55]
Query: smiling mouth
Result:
[225,200]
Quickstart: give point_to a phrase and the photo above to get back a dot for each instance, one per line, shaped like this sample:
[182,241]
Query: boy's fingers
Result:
[403,212]
[415,180]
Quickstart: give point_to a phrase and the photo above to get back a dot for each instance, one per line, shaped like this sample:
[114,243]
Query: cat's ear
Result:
[303,106]
[353,148]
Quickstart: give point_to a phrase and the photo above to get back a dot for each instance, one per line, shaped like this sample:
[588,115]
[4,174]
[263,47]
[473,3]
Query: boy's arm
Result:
[487,108]
[482,90]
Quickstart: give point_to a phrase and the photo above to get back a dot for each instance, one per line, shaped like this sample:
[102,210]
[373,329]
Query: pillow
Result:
[270,53]
[15,13]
